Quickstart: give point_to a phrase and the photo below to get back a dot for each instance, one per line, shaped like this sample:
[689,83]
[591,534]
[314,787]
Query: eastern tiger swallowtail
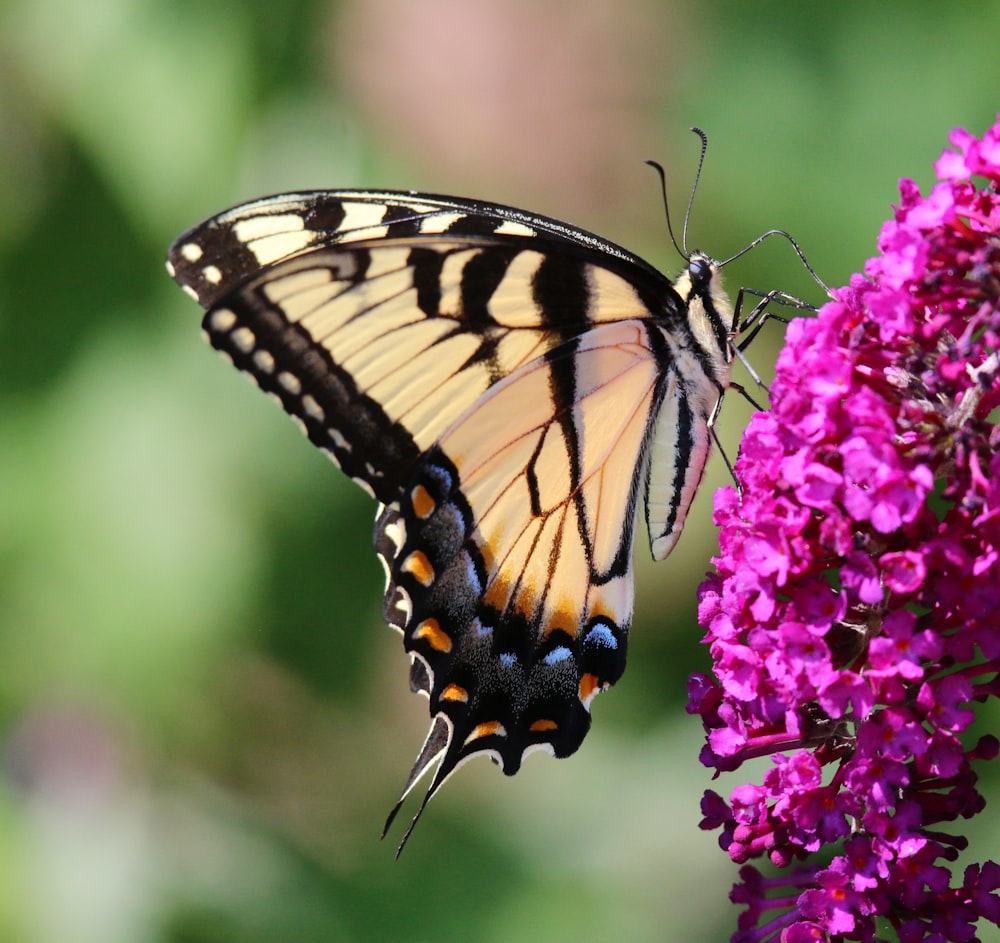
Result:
[507,387]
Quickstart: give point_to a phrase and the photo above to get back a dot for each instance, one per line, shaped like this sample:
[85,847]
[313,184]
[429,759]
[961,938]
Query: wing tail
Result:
[435,746]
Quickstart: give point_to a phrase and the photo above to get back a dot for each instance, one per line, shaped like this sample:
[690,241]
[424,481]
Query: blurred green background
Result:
[203,720]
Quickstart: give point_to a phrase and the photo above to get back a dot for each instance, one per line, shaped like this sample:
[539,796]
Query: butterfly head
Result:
[709,311]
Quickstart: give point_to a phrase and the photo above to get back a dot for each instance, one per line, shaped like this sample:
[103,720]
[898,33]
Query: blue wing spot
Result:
[557,655]
[439,480]
[601,634]
[508,659]
[472,579]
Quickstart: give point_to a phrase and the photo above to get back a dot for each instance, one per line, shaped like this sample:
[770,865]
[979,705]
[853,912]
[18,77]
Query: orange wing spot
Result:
[430,630]
[589,686]
[423,503]
[419,567]
[454,692]
[492,728]
[563,619]
[527,598]
[498,594]
[541,725]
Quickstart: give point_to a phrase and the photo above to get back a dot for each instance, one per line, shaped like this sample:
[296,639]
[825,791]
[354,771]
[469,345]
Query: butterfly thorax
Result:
[701,352]
[710,318]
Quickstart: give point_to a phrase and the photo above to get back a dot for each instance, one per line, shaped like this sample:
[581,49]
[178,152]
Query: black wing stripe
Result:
[351,426]
[500,381]
[561,290]
[481,278]
[427,265]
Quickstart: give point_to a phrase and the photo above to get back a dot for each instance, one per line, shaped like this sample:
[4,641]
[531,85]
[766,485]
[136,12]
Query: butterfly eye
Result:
[700,271]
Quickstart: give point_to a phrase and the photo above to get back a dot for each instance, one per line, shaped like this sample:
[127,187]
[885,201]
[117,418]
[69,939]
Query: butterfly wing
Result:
[217,255]
[494,379]
[509,552]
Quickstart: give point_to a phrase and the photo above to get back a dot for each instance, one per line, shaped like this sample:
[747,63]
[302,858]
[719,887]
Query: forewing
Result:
[215,257]
[377,347]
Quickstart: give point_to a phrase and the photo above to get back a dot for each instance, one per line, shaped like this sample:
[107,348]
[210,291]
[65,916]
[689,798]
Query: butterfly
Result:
[509,388]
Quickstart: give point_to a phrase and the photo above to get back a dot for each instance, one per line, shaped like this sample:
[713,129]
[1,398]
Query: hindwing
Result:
[498,381]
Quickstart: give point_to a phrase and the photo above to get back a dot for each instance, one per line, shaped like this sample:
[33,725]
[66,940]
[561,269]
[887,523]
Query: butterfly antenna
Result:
[694,186]
[682,252]
[682,249]
[798,251]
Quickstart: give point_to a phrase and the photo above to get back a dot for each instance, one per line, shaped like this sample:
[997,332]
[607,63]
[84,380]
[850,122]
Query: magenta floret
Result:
[854,618]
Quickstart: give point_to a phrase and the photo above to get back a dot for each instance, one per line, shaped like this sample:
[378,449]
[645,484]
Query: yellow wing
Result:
[497,381]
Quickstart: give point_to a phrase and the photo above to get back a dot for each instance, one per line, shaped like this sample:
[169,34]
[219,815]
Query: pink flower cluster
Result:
[854,620]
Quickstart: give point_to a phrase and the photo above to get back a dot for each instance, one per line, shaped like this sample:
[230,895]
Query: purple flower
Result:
[854,618]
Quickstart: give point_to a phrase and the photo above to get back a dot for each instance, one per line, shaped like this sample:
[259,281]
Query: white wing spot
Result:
[191,251]
[290,382]
[221,320]
[364,486]
[404,604]
[333,458]
[312,409]
[263,361]
[243,339]
[509,228]
[387,571]
[211,274]
[338,439]
[396,532]
[439,222]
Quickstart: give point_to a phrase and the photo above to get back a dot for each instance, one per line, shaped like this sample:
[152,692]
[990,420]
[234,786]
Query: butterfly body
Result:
[508,388]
